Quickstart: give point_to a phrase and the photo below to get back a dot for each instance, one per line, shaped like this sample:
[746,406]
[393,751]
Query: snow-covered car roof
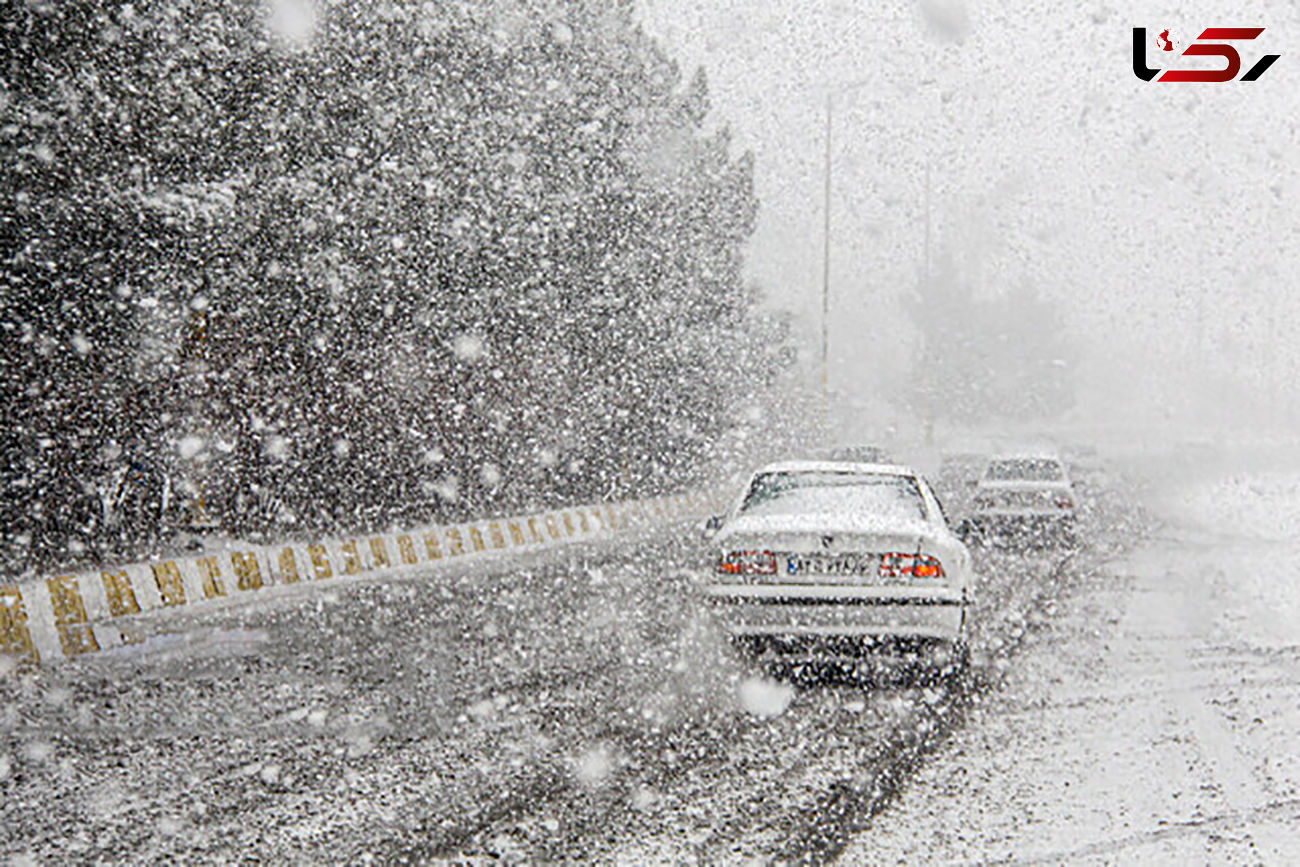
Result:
[1024,479]
[1036,453]
[835,467]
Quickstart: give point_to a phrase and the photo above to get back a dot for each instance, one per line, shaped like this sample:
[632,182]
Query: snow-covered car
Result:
[1024,496]
[826,561]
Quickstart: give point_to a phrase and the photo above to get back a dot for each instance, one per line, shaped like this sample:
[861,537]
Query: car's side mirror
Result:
[711,526]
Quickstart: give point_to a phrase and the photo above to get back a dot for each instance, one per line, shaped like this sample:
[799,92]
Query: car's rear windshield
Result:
[823,492]
[1025,470]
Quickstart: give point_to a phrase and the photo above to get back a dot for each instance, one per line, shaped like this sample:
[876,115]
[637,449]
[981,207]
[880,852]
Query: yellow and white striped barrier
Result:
[73,614]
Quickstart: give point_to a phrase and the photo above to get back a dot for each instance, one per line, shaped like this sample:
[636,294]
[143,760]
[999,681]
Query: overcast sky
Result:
[1164,215]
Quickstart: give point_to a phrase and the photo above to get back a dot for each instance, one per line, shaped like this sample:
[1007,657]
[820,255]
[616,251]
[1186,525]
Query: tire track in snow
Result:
[265,783]
[795,791]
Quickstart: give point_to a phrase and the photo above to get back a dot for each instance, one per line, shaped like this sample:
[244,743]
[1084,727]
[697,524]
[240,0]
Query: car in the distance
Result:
[1024,497]
[833,562]
[860,454]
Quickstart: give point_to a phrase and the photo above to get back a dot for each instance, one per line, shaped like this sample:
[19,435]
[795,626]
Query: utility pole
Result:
[826,221]
[927,219]
[826,257]
[925,276]
[826,233]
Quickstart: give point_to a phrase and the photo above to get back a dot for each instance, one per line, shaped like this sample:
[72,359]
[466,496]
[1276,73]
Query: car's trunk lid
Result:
[820,550]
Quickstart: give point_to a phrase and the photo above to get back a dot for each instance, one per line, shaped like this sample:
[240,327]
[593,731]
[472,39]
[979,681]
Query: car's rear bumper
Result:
[837,611]
[1022,520]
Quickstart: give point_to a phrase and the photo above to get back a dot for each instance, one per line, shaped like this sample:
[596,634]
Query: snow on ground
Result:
[572,705]
[1251,522]
[1157,723]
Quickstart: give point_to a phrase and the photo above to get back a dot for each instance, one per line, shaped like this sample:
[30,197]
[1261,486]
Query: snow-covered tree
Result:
[405,260]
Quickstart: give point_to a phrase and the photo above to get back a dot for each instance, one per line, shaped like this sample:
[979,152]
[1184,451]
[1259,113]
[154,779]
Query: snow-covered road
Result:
[1158,719]
[573,704]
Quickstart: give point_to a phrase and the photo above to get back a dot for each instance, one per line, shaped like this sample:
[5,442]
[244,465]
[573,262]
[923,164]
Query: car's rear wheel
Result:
[961,660]
[889,660]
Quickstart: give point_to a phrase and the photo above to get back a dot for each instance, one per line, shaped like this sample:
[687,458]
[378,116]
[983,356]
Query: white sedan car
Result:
[826,561]
[1025,496]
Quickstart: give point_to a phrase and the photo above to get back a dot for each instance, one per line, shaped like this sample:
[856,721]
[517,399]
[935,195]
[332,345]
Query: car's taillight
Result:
[927,567]
[895,565]
[910,566]
[747,563]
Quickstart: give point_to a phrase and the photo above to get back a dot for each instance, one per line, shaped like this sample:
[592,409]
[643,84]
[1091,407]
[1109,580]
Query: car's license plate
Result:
[833,564]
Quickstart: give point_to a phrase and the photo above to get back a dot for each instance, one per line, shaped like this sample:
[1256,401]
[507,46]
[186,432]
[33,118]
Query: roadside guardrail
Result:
[68,615]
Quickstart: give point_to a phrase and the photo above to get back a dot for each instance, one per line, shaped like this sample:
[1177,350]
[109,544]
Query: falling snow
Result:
[358,279]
